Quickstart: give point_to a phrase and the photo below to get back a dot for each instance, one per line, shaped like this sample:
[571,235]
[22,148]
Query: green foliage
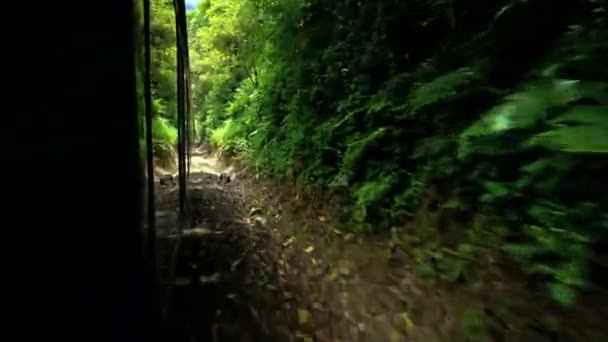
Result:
[572,129]
[557,248]
[582,129]
[553,139]
[357,150]
[562,293]
[163,58]
[473,327]
[441,88]
[410,198]
[163,134]
[371,193]
[163,77]
[426,270]
[471,115]
[230,137]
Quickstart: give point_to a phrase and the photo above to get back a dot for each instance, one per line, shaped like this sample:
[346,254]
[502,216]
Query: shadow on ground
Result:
[222,289]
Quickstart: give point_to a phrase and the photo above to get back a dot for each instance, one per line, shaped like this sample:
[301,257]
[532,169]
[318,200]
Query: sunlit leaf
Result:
[442,87]
[303,316]
[562,293]
[255,211]
[406,320]
[578,139]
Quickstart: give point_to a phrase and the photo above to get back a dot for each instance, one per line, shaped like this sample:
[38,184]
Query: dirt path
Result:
[264,277]
[267,269]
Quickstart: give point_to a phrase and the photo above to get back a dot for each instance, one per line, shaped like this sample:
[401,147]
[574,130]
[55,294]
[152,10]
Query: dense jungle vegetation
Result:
[493,115]
[163,73]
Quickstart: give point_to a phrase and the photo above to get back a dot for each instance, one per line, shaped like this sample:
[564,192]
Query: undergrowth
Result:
[163,81]
[502,105]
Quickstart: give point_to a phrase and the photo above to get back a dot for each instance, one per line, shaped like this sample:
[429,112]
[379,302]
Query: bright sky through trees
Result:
[190,4]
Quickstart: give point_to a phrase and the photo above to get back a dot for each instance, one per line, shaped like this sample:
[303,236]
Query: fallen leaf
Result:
[303,316]
[206,279]
[309,249]
[236,264]
[288,242]
[255,211]
[405,318]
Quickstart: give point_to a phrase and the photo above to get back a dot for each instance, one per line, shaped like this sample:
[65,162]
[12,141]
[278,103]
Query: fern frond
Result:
[589,115]
[588,135]
[580,139]
[441,87]
[355,153]
[529,106]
